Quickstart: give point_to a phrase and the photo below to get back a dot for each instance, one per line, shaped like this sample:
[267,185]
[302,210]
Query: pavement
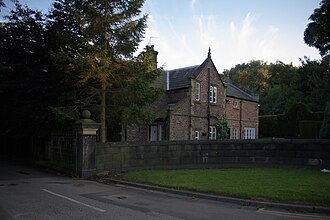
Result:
[238,201]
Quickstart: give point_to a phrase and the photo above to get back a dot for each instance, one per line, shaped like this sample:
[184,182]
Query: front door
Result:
[153,133]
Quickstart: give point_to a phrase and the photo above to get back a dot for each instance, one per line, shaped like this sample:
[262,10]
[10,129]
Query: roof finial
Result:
[209,53]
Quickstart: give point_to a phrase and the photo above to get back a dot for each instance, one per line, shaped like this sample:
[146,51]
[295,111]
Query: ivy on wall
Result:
[222,127]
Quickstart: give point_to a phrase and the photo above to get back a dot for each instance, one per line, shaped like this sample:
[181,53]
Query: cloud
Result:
[232,27]
[192,4]
[246,31]
[232,42]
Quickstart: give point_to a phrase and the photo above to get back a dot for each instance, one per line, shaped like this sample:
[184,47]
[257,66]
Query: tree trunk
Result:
[103,133]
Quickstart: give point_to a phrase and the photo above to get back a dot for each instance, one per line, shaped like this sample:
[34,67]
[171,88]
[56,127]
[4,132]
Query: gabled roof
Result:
[180,78]
[235,91]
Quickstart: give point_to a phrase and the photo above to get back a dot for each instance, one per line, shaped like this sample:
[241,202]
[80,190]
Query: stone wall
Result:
[208,154]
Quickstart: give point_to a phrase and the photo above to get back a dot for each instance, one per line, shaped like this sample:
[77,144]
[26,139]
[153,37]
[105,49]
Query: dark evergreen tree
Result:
[25,78]
[314,81]
[325,128]
[109,33]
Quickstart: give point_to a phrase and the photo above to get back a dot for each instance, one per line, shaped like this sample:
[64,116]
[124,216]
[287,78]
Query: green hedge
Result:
[309,129]
[298,122]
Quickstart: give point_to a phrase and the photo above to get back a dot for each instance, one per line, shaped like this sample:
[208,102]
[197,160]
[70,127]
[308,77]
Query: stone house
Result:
[195,96]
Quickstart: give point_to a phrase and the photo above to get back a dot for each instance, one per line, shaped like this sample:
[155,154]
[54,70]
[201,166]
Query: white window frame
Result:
[160,132]
[212,133]
[198,91]
[234,133]
[249,133]
[213,94]
[197,135]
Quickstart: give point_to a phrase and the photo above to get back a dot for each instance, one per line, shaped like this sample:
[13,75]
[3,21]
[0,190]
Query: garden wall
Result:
[123,156]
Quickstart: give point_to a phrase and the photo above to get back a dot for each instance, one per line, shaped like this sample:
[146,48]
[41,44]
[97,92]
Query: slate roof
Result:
[179,78]
[237,92]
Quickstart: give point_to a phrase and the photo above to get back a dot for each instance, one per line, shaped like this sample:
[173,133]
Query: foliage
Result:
[325,128]
[297,122]
[27,86]
[317,33]
[281,85]
[252,76]
[222,127]
[2,4]
[53,66]
[314,83]
[283,185]
[278,99]
[109,32]
[309,129]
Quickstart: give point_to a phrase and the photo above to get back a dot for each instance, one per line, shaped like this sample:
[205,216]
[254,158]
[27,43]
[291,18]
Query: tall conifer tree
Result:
[107,34]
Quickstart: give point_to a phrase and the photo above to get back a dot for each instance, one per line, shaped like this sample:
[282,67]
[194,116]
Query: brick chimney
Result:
[151,50]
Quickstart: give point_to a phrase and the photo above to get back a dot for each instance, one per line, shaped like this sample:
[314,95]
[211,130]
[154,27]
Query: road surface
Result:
[29,193]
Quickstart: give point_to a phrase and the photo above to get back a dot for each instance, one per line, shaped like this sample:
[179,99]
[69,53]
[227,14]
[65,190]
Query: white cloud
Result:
[192,4]
[232,43]
[246,30]
[232,27]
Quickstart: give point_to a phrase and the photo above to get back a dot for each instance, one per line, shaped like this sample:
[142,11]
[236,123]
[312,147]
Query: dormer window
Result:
[213,94]
[198,91]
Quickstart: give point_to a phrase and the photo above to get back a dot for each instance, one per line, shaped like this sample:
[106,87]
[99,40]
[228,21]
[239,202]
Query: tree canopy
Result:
[317,33]
[79,55]
[280,85]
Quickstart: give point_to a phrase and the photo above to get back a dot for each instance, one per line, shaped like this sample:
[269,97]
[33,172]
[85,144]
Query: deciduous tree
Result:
[317,33]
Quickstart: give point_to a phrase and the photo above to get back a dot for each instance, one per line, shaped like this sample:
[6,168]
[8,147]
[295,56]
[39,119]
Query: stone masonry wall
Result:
[250,113]
[213,154]
[179,118]
[137,133]
[199,108]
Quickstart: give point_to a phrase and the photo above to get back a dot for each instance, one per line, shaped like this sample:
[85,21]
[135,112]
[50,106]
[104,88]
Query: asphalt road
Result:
[28,193]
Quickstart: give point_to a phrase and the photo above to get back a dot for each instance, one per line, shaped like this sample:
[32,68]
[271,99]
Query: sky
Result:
[236,31]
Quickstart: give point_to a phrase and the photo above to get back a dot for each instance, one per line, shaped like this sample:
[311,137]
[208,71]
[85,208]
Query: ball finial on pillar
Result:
[86,114]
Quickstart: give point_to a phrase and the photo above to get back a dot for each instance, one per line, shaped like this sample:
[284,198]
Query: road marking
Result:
[293,215]
[72,200]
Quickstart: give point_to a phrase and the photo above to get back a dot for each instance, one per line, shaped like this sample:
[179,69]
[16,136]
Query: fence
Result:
[61,151]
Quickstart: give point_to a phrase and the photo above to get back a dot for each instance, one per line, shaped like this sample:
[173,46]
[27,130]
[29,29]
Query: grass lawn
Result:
[284,185]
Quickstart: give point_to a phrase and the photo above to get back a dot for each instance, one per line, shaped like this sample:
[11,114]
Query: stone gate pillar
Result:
[85,143]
